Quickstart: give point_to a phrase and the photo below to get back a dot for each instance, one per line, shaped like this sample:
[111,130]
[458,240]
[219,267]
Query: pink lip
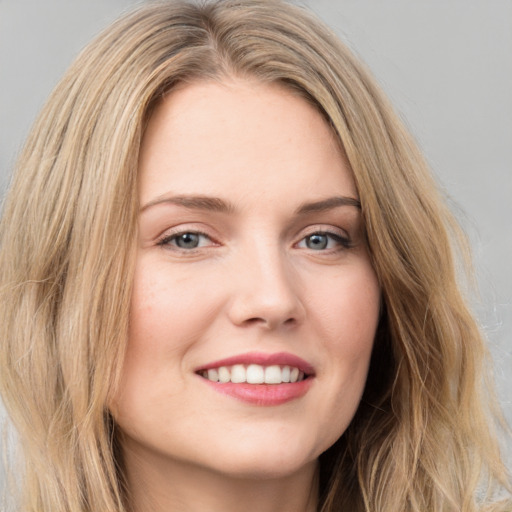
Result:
[280,358]
[263,394]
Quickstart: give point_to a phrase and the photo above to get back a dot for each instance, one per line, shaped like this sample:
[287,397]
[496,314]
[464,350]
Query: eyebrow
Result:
[328,204]
[207,203]
[215,204]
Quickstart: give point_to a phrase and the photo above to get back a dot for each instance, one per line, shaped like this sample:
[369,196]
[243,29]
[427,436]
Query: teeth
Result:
[224,375]
[213,375]
[254,374]
[238,373]
[273,375]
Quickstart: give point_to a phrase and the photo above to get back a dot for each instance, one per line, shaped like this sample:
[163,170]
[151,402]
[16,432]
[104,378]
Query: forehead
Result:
[240,137]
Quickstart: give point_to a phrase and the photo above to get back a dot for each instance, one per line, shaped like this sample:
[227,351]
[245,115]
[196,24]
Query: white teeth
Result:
[273,375]
[238,373]
[224,375]
[213,375]
[254,374]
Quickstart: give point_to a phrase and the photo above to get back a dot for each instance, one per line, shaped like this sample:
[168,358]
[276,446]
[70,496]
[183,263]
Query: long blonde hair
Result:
[422,438]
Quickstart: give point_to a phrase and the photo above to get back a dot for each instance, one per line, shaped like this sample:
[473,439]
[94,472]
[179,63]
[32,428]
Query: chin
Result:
[277,459]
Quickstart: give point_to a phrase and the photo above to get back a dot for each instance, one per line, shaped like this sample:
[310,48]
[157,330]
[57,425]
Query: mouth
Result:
[254,374]
[260,379]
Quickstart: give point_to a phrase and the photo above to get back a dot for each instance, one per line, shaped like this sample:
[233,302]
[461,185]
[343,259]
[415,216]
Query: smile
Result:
[254,374]
[259,378]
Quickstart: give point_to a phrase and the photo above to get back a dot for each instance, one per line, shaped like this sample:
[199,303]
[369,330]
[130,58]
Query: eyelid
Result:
[324,229]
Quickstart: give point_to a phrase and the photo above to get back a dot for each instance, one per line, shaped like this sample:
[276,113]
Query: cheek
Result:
[357,315]
[154,304]
[347,319]
[168,309]
[164,322]
[347,311]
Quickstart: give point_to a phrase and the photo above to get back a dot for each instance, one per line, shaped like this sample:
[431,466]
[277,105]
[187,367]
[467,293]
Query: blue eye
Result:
[186,240]
[320,241]
[317,241]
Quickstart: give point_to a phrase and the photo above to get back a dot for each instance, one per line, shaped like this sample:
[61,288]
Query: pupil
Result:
[317,242]
[188,241]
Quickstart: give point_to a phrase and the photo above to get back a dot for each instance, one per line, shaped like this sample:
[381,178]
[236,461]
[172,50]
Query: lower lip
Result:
[263,394]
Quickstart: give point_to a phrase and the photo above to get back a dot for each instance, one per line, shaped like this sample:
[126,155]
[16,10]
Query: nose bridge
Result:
[265,291]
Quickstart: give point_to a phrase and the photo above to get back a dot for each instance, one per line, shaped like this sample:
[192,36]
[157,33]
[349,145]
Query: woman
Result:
[227,279]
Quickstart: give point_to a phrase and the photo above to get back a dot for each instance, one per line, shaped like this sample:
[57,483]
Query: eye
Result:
[321,241]
[186,240]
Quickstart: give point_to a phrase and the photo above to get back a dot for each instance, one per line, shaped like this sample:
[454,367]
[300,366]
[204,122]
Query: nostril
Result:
[255,320]
[269,322]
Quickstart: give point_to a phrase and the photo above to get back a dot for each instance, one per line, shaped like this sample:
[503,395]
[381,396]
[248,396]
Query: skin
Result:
[255,282]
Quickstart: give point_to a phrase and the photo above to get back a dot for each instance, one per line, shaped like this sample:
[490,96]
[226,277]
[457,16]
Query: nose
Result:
[266,291]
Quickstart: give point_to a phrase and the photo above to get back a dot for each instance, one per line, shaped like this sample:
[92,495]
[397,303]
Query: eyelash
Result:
[342,242]
[169,238]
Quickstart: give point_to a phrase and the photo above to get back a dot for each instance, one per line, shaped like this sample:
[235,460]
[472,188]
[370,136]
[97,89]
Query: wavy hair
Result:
[423,437]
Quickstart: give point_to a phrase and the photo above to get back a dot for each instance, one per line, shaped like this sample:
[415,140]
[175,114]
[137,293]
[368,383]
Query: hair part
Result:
[420,439]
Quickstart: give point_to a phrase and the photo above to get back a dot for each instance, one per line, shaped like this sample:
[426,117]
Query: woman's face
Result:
[251,266]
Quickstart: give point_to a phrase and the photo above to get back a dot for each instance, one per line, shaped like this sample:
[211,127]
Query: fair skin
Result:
[251,252]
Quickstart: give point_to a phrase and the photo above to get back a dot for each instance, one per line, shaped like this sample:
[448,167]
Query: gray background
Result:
[447,66]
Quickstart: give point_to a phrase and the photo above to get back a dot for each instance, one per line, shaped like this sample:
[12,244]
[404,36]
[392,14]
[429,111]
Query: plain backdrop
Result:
[446,64]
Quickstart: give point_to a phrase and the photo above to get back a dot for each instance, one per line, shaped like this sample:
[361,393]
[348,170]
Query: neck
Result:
[175,486]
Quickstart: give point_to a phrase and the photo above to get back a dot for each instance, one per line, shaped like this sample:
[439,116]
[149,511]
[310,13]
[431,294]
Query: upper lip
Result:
[263,359]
